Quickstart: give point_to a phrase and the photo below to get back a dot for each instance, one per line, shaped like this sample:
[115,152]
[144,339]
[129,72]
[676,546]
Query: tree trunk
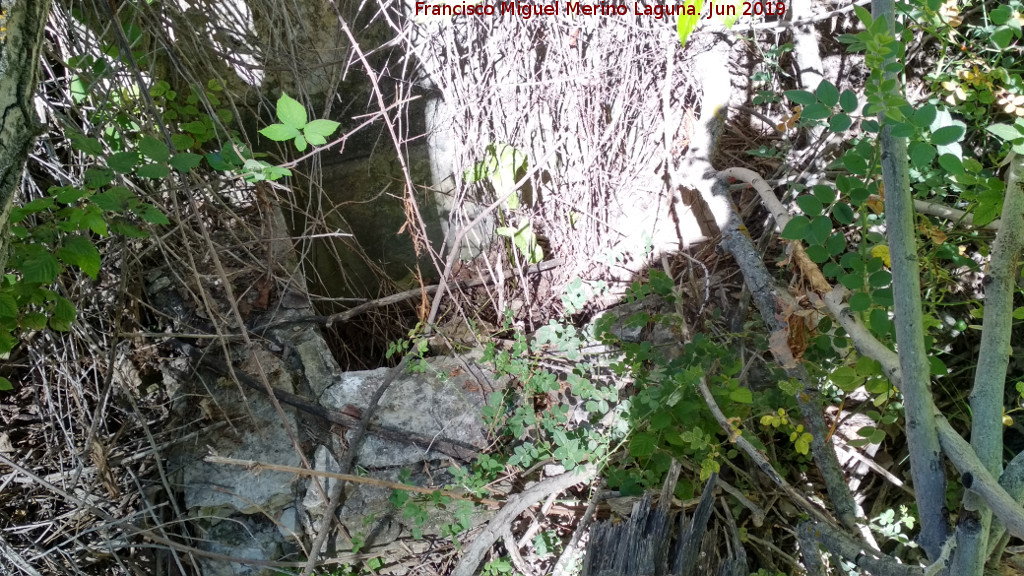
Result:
[21,37]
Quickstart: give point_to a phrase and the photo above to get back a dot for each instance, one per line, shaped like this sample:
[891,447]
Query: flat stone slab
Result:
[444,401]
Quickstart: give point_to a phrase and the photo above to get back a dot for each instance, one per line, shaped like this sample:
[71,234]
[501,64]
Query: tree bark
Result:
[21,39]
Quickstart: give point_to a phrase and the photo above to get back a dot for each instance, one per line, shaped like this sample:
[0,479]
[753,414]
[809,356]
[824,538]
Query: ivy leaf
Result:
[290,112]
[154,149]
[79,251]
[280,132]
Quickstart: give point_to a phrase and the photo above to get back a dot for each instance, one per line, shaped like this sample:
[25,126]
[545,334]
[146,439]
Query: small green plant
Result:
[895,526]
[499,567]
[295,127]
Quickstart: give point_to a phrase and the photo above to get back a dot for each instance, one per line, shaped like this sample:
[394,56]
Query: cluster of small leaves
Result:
[546,432]
[295,127]
[667,417]
[893,526]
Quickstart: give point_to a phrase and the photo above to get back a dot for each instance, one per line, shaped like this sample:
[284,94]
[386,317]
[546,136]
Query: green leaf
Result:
[802,97]
[1001,15]
[836,244]
[855,163]
[687,22]
[300,143]
[846,379]
[1002,37]
[817,254]
[82,143]
[123,162]
[290,112]
[185,161]
[816,111]
[79,251]
[827,93]
[924,116]
[5,384]
[826,194]
[154,149]
[40,268]
[195,127]
[741,395]
[797,228]
[182,141]
[153,215]
[951,164]
[843,213]
[63,315]
[98,177]
[1006,131]
[153,170]
[810,205]
[93,220]
[902,129]
[947,135]
[315,139]
[839,123]
[860,302]
[921,154]
[116,199]
[848,101]
[820,229]
[642,445]
[8,306]
[33,321]
[321,127]
[68,194]
[880,279]
[280,132]
[990,206]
